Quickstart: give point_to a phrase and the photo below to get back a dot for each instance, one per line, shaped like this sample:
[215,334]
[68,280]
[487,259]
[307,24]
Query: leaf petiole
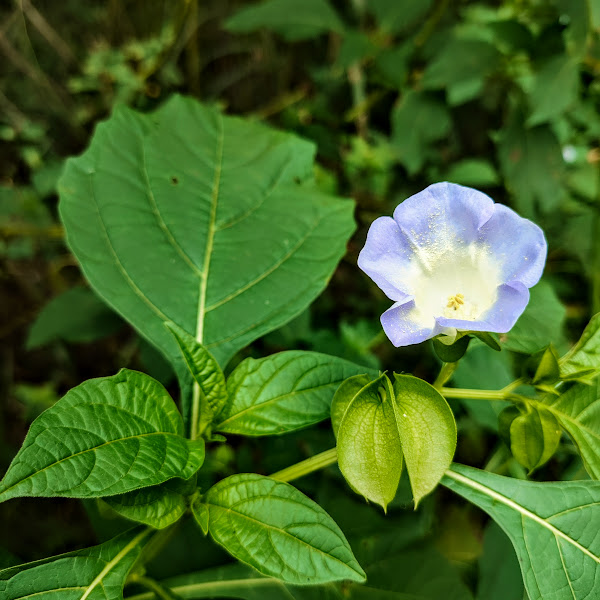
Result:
[305,467]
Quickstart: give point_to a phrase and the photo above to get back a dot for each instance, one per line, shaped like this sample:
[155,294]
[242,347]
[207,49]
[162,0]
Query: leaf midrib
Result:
[114,561]
[475,485]
[282,531]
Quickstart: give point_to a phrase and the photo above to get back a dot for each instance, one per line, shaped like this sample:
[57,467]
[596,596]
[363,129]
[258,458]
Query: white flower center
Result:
[459,283]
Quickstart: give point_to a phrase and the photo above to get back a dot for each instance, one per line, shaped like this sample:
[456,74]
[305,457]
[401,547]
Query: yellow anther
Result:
[455,301]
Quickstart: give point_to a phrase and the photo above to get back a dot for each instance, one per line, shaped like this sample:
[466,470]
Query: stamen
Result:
[455,301]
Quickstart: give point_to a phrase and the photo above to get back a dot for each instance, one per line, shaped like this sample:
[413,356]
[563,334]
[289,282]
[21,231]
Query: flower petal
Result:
[443,216]
[517,244]
[404,324]
[386,258]
[510,303]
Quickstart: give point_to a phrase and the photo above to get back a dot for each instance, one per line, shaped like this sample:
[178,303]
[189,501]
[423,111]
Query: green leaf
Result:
[211,388]
[532,165]
[534,437]
[274,528]
[158,506]
[201,515]
[397,17]
[555,89]
[427,432]
[368,443]
[577,412]
[548,369]
[551,525]
[106,436]
[499,571]
[283,392]
[585,354]
[311,18]
[343,398]
[474,172]
[96,573]
[418,121]
[227,239]
[540,324]
[461,67]
[76,315]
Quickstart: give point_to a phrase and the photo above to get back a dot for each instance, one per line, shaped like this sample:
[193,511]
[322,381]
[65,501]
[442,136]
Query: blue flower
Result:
[452,260]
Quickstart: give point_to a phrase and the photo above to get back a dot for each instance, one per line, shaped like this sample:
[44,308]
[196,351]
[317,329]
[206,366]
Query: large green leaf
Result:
[553,527]
[158,506]
[578,411]
[311,18]
[106,436]
[368,443]
[283,392]
[96,573]
[209,221]
[427,432]
[585,355]
[276,529]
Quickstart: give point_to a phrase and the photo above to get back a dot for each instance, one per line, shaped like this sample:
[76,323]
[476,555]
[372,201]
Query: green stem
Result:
[474,394]
[305,467]
[444,375]
[153,586]
[506,393]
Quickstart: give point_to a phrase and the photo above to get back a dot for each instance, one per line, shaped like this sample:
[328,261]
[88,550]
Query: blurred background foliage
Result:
[499,95]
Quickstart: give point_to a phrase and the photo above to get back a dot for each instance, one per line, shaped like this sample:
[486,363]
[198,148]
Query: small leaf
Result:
[450,353]
[98,572]
[158,506]
[548,369]
[427,431]
[283,392]
[473,172]
[397,17]
[107,436]
[552,527]
[76,315]
[584,358]
[276,529]
[201,515]
[311,18]
[461,67]
[534,437]
[206,373]
[368,444]
[488,339]
[344,397]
